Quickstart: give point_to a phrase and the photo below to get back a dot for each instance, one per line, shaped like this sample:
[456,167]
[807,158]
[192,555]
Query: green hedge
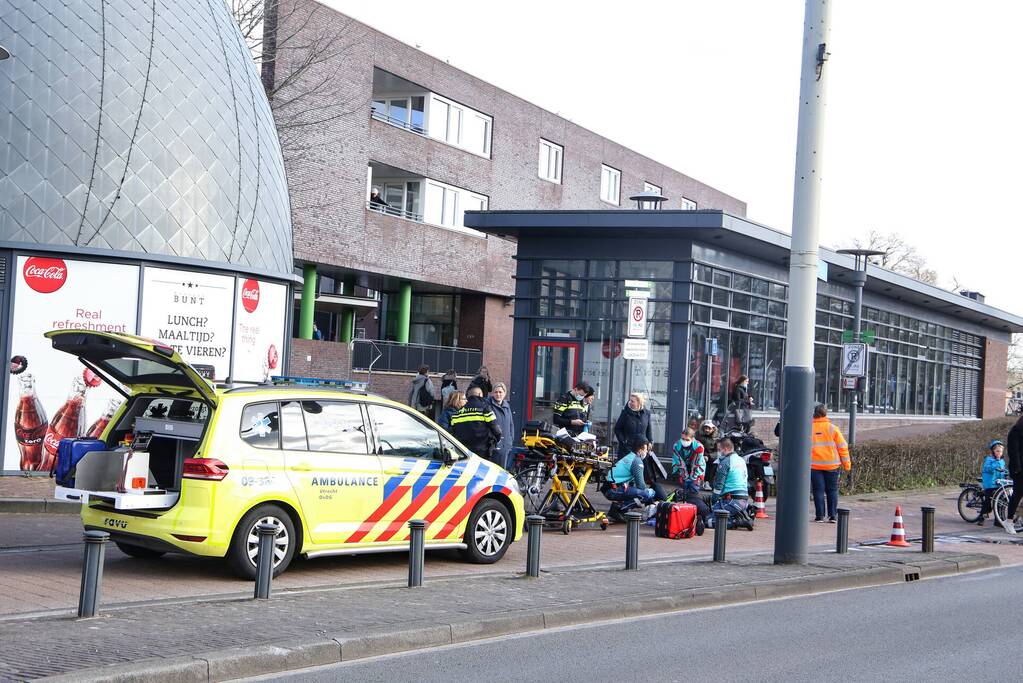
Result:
[942,459]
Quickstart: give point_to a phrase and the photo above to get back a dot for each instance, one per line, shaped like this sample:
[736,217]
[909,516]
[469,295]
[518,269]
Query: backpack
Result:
[69,453]
[677,520]
[424,397]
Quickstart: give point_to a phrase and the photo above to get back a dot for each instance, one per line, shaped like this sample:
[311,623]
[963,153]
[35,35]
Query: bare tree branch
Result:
[899,256]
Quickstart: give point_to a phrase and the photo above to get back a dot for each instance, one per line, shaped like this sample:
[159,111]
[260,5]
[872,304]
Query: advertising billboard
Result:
[51,395]
[190,312]
[260,314]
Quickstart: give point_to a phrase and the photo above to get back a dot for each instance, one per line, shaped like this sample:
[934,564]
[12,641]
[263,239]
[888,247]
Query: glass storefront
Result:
[577,311]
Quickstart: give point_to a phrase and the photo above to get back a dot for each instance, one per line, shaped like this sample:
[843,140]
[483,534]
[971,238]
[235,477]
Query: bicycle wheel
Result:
[970,501]
[533,482]
[1000,504]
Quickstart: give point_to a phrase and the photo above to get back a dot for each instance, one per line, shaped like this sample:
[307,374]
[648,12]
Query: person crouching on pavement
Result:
[731,487]
[625,480]
[993,470]
[688,468]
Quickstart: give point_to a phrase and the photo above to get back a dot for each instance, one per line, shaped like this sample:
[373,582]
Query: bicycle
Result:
[1000,505]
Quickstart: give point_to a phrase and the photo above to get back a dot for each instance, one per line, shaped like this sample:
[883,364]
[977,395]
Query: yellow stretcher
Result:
[572,466]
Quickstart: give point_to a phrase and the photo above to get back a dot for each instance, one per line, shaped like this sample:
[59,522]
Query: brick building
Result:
[435,141]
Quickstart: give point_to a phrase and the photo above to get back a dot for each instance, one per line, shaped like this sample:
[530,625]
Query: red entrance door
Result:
[553,370]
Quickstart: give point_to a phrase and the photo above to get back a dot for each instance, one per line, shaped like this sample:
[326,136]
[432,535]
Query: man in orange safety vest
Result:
[830,453]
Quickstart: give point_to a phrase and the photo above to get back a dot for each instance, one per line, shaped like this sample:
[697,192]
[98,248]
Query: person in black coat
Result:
[475,425]
[572,410]
[633,423]
[1014,461]
[742,404]
[482,380]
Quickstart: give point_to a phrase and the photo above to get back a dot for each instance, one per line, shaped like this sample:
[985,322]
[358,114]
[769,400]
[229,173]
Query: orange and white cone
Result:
[758,502]
[898,530]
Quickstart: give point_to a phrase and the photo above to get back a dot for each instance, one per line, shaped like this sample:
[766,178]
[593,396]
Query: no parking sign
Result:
[637,317]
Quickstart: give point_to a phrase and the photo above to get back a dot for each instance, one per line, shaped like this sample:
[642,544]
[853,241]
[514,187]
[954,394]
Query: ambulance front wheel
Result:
[488,533]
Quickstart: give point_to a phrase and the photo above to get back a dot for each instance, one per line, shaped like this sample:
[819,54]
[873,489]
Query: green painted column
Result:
[308,305]
[403,312]
[348,314]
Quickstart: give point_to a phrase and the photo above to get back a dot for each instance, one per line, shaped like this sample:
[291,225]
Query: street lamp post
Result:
[861,259]
[790,532]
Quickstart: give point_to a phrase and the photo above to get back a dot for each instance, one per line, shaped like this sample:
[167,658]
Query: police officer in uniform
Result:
[474,424]
[572,410]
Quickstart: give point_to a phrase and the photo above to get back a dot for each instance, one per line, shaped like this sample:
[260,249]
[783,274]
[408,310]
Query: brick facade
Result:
[995,378]
[327,178]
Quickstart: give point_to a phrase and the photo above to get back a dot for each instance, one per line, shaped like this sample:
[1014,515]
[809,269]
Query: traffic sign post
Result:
[637,317]
[854,360]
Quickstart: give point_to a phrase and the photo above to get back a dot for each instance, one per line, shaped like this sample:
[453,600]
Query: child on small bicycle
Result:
[992,471]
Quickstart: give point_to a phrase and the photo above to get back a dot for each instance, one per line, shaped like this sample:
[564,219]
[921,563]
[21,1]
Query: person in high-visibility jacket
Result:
[572,410]
[475,426]
[829,456]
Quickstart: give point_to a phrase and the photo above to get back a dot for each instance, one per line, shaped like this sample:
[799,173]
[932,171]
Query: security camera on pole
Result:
[797,411]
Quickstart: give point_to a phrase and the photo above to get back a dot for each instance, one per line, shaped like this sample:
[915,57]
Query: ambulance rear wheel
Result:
[244,547]
[138,551]
[488,533]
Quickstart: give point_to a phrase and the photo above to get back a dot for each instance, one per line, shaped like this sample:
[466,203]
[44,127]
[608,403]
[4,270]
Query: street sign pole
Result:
[859,280]
[797,412]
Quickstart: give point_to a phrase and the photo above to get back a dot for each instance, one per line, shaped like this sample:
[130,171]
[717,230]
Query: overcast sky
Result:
[923,119]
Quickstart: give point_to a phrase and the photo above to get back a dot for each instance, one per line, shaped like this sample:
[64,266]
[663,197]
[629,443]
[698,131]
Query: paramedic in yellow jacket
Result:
[829,457]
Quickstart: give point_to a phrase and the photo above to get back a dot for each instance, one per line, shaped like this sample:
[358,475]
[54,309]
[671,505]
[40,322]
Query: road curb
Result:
[39,505]
[231,663]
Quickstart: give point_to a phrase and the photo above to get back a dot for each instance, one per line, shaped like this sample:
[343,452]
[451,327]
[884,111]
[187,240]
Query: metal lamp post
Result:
[648,200]
[790,533]
[861,259]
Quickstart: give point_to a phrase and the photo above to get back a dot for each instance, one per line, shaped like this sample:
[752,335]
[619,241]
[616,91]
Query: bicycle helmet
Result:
[995,442]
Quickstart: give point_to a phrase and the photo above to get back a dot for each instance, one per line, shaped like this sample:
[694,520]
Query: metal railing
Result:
[392,211]
[400,123]
[376,356]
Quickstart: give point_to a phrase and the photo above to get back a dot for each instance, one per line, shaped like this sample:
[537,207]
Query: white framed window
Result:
[610,184]
[445,205]
[460,126]
[404,111]
[549,166]
[650,187]
[688,204]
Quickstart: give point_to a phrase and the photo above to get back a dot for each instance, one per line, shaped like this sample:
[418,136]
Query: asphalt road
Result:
[962,626]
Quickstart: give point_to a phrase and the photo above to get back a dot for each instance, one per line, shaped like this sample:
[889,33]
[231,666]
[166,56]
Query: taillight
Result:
[766,457]
[190,539]
[209,469]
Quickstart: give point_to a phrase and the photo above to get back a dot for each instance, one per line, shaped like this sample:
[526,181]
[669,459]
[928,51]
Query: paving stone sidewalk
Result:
[185,631]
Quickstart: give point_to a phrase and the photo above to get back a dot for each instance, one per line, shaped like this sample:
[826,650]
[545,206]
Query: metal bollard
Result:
[928,540]
[417,530]
[632,520]
[92,572]
[264,561]
[842,543]
[534,525]
[720,529]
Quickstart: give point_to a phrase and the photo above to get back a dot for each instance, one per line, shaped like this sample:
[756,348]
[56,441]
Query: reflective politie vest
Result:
[473,425]
[830,451]
[569,408]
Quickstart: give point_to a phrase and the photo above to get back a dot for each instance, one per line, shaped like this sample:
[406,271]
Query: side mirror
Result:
[444,455]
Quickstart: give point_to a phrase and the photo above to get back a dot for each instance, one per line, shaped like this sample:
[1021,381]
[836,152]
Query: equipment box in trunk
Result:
[120,478]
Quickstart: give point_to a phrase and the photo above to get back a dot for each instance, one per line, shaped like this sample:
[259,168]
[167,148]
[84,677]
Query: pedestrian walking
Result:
[829,456]
[1014,448]
[422,394]
[505,421]
[482,380]
[633,423]
[742,404]
[475,426]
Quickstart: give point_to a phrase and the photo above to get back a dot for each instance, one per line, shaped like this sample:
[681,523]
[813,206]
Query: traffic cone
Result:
[758,502]
[898,530]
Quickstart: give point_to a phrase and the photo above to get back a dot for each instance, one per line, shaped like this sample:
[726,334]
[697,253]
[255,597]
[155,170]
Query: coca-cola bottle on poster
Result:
[67,423]
[29,418]
[96,430]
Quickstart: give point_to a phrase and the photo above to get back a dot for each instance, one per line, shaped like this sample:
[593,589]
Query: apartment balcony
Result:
[420,199]
[401,103]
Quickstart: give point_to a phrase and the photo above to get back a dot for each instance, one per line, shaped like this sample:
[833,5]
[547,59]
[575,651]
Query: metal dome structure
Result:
[139,126]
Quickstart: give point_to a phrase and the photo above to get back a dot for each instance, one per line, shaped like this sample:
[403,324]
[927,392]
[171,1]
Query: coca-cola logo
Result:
[250,295]
[45,275]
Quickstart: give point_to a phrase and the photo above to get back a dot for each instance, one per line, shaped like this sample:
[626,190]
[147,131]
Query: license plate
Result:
[768,471]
